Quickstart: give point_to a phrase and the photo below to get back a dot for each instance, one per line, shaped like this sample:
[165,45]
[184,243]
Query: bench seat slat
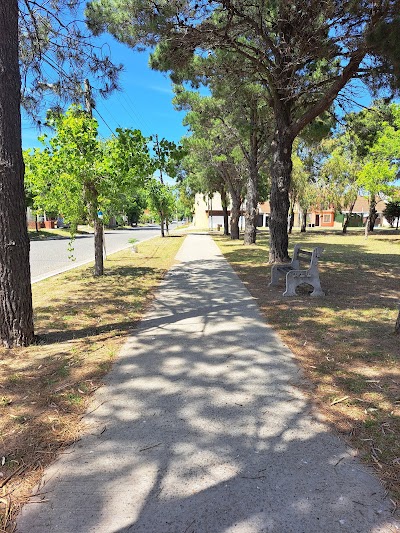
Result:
[284,268]
[304,252]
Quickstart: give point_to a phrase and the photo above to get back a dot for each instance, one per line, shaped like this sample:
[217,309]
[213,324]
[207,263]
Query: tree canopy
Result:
[78,175]
[302,53]
[57,52]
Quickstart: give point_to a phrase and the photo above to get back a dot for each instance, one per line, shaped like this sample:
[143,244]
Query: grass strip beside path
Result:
[81,322]
[344,341]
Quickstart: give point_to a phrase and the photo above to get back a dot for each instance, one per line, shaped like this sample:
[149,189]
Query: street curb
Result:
[82,263]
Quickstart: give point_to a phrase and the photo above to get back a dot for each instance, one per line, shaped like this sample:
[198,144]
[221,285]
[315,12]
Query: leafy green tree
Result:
[162,202]
[392,213]
[201,177]
[166,160]
[137,203]
[373,137]
[79,176]
[240,107]
[340,173]
[214,156]
[217,151]
[302,53]
[305,188]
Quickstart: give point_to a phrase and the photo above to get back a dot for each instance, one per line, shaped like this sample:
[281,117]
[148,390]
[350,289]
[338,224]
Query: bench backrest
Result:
[300,255]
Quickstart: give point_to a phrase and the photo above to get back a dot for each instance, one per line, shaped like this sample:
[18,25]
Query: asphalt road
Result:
[51,256]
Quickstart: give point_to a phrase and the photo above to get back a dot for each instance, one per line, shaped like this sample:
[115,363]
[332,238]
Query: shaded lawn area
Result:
[81,322]
[344,341]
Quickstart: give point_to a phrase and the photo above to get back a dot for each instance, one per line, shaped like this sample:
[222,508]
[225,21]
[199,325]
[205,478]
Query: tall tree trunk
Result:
[348,215]
[397,224]
[98,247]
[162,227]
[291,216]
[250,228]
[303,221]
[373,215]
[281,170]
[16,315]
[235,216]
[167,226]
[92,201]
[224,203]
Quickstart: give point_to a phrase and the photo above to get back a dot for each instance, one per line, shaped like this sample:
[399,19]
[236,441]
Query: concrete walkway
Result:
[201,429]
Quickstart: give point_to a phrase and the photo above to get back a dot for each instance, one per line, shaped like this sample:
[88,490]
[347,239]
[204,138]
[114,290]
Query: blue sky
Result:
[143,103]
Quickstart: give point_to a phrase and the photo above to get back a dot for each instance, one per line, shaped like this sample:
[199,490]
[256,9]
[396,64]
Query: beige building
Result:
[208,213]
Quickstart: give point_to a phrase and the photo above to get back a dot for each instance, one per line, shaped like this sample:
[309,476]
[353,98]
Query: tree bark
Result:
[281,169]
[348,215]
[98,247]
[224,203]
[16,314]
[92,202]
[162,227]
[291,217]
[235,216]
[250,228]
[373,215]
[303,221]
[370,222]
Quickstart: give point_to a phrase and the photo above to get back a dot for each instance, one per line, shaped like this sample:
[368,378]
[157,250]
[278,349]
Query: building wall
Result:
[208,214]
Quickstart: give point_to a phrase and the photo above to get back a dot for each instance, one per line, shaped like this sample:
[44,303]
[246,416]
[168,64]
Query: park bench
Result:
[295,275]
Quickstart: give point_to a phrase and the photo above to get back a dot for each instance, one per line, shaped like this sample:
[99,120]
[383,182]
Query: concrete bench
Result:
[295,275]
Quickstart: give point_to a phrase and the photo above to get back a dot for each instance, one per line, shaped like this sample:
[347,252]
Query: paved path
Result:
[201,429]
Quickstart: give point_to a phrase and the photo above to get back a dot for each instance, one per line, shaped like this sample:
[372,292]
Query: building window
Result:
[327,218]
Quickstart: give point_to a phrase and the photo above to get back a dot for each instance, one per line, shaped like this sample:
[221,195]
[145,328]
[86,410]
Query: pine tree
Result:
[303,53]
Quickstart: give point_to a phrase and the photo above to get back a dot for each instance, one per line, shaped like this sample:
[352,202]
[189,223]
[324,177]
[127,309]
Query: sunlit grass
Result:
[345,342]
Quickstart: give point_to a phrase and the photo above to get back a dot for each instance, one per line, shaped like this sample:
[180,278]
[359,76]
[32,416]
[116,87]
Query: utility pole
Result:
[92,196]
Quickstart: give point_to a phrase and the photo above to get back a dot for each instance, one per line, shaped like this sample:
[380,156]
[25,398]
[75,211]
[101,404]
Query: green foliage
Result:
[167,156]
[76,174]
[309,43]
[162,202]
[392,212]
[340,172]
[363,157]
[136,207]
